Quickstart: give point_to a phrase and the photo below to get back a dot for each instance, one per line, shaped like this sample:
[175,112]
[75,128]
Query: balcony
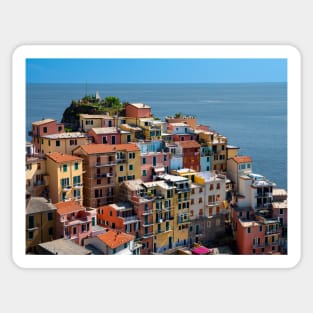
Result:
[119,161]
[147,224]
[130,219]
[147,235]
[148,212]
[78,186]
[66,187]
[109,163]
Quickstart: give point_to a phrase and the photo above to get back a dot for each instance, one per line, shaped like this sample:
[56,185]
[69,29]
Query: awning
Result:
[201,250]
[159,169]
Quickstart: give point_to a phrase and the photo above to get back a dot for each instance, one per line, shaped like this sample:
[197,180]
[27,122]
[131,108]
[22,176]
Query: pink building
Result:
[74,222]
[137,110]
[133,191]
[256,233]
[110,135]
[153,164]
[43,128]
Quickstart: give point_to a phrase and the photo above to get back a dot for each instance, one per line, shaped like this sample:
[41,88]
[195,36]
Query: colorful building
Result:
[137,110]
[40,222]
[73,221]
[43,128]
[105,167]
[238,166]
[113,242]
[191,154]
[88,121]
[65,177]
[37,179]
[218,144]
[255,232]
[63,143]
[120,216]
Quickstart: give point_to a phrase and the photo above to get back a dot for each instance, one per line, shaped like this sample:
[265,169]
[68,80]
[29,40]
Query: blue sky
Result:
[155,70]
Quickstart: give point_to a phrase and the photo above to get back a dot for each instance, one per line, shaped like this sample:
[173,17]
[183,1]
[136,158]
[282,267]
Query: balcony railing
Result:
[148,212]
[130,219]
[109,163]
[147,235]
[78,186]
[66,188]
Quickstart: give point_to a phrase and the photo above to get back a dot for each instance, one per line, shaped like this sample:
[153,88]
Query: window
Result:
[248,165]
[57,143]
[249,230]
[200,200]
[130,167]
[38,166]
[104,139]
[211,187]
[50,216]
[76,166]
[65,182]
[113,141]
[45,130]
[31,221]
[281,211]
[128,138]
[192,201]
[28,167]
[74,230]
[120,179]
[260,228]
[144,173]
[98,181]
[59,129]
[30,235]
[154,161]
[131,155]
[73,142]
[121,168]
[144,160]
[218,186]
[165,158]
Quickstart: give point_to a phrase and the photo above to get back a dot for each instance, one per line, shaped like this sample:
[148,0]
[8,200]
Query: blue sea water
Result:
[252,116]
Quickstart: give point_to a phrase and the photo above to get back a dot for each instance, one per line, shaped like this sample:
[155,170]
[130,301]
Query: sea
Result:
[253,116]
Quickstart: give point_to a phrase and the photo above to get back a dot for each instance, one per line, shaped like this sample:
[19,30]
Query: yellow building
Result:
[218,144]
[36,176]
[88,121]
[181,208]
[65,177]
[63,143]
[163,214]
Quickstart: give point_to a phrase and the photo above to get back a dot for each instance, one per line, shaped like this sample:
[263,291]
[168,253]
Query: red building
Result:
[191,154]
[137,110]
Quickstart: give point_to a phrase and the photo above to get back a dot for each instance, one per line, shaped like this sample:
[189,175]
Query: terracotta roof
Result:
[103,148]
[68,207]
[62,158]
[189,144]
[114,239]
[242,159]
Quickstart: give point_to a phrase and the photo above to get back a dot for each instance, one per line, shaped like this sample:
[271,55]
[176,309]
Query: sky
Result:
[155,70]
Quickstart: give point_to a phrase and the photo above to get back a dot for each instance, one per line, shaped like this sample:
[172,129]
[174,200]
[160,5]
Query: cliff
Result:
[88,105]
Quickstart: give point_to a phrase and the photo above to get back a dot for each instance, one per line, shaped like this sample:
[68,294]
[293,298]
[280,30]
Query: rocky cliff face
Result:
[70,117]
